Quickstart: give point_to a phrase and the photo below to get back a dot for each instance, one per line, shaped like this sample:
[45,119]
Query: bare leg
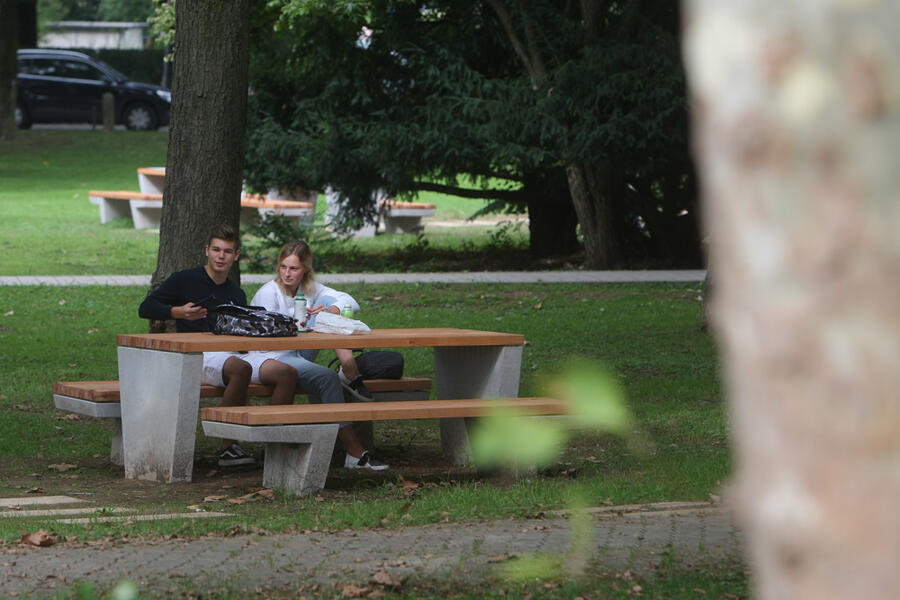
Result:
[236,374]
[348,363]
[350,442]
[283,377]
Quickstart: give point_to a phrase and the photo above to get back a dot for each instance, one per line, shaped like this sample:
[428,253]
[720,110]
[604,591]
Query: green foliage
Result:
[437,92]
[267,235]
[162,24]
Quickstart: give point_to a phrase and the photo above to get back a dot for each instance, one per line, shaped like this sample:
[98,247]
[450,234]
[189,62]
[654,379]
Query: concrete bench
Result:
[403,217]
[145,209]
[299,438]
[101,399]
[151,180]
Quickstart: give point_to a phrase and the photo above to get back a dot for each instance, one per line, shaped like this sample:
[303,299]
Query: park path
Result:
[369,278]
[625,538]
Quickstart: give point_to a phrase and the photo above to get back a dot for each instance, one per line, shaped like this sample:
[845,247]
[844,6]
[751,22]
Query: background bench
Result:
[300,438]
[145,209]
[101,399]
[403,217]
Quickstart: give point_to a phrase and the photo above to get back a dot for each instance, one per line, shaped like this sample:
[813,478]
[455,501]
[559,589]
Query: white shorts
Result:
[213,362]
[256,360]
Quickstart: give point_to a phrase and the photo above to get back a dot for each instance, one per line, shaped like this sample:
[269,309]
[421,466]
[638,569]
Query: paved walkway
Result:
[344,278]
[623,538]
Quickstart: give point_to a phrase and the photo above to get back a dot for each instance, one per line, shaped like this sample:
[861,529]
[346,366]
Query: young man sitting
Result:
[177,298]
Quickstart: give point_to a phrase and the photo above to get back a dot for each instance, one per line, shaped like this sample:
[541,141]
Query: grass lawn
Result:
[48,226]
[648,335]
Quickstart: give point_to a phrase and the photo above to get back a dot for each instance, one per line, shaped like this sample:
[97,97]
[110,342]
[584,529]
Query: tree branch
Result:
[519,48]
[452,190]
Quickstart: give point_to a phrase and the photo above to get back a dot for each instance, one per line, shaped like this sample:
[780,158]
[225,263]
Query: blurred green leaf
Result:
[594,395]
[508,438]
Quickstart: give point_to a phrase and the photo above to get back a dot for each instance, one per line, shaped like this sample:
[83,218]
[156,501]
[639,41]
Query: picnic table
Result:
[159,377]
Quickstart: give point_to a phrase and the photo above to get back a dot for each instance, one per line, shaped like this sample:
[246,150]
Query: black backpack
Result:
[231,319]
[377,364]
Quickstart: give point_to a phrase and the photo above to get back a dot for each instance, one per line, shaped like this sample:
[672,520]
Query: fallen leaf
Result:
[35,490]
[386,579]
[319,499]
[92,330]
[714,498]
[497,558]
[263,493]
[214,498]
[636,589]
[608,502]
[62,467]
[38,538]
[62,302]
[352,591]
[213,472]
[9,314]
[236,501]
[195,507]
[539,306]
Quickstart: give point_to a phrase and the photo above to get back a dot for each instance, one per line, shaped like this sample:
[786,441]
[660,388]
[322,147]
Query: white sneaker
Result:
[366,461]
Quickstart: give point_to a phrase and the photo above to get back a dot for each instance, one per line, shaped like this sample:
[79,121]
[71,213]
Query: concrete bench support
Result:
[297,456]
[108,410]
[400,218]
[111,208]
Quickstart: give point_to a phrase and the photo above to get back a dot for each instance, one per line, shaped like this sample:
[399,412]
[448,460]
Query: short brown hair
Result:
[224,232]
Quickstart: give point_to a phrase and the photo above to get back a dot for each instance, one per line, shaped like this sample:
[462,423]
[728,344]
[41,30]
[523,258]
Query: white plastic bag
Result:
[327,322]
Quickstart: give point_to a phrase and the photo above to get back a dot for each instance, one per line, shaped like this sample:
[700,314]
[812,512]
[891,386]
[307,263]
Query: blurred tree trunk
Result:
[8,67]
[207,134]
[797,128]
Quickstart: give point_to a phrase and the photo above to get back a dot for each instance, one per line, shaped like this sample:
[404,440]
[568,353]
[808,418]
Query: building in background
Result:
[96,35]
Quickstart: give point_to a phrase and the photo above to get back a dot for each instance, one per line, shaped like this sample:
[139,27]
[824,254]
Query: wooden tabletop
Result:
[377,338]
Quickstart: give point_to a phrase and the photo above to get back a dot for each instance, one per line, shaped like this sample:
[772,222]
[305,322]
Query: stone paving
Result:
[633,538]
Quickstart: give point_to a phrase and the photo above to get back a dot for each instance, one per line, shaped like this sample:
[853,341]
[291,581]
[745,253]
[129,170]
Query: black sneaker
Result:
[234,456]
[357,389]
[366,461]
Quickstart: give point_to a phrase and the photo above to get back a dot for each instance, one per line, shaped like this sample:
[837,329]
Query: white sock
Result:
[343,377]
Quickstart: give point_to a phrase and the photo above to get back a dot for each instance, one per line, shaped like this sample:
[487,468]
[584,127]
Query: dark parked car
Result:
[59,86]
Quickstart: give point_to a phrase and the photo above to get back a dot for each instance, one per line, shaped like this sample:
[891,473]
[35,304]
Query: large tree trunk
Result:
[207,137]
[551,217]
[589,187]
[8,67]
[797,131]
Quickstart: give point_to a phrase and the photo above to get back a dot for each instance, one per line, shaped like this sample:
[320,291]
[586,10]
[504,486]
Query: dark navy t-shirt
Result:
[190,285]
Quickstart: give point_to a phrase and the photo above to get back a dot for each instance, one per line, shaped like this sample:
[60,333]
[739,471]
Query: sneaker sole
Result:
[359,397]
[357,467]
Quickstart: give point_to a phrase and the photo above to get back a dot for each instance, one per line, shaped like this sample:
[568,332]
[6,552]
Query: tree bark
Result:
[552,220]
[797,129]
[588,186]
[8,67]
[207,135]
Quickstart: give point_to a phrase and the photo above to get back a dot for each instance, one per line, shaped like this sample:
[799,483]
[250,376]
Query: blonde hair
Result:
[301,250]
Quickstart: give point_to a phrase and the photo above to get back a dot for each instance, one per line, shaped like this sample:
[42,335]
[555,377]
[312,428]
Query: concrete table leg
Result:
[473,372]
[160,398]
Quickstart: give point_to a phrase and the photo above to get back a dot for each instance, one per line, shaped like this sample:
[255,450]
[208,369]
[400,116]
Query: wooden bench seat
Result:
[403,217]
[101,399]
[145,209]
[299,438]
